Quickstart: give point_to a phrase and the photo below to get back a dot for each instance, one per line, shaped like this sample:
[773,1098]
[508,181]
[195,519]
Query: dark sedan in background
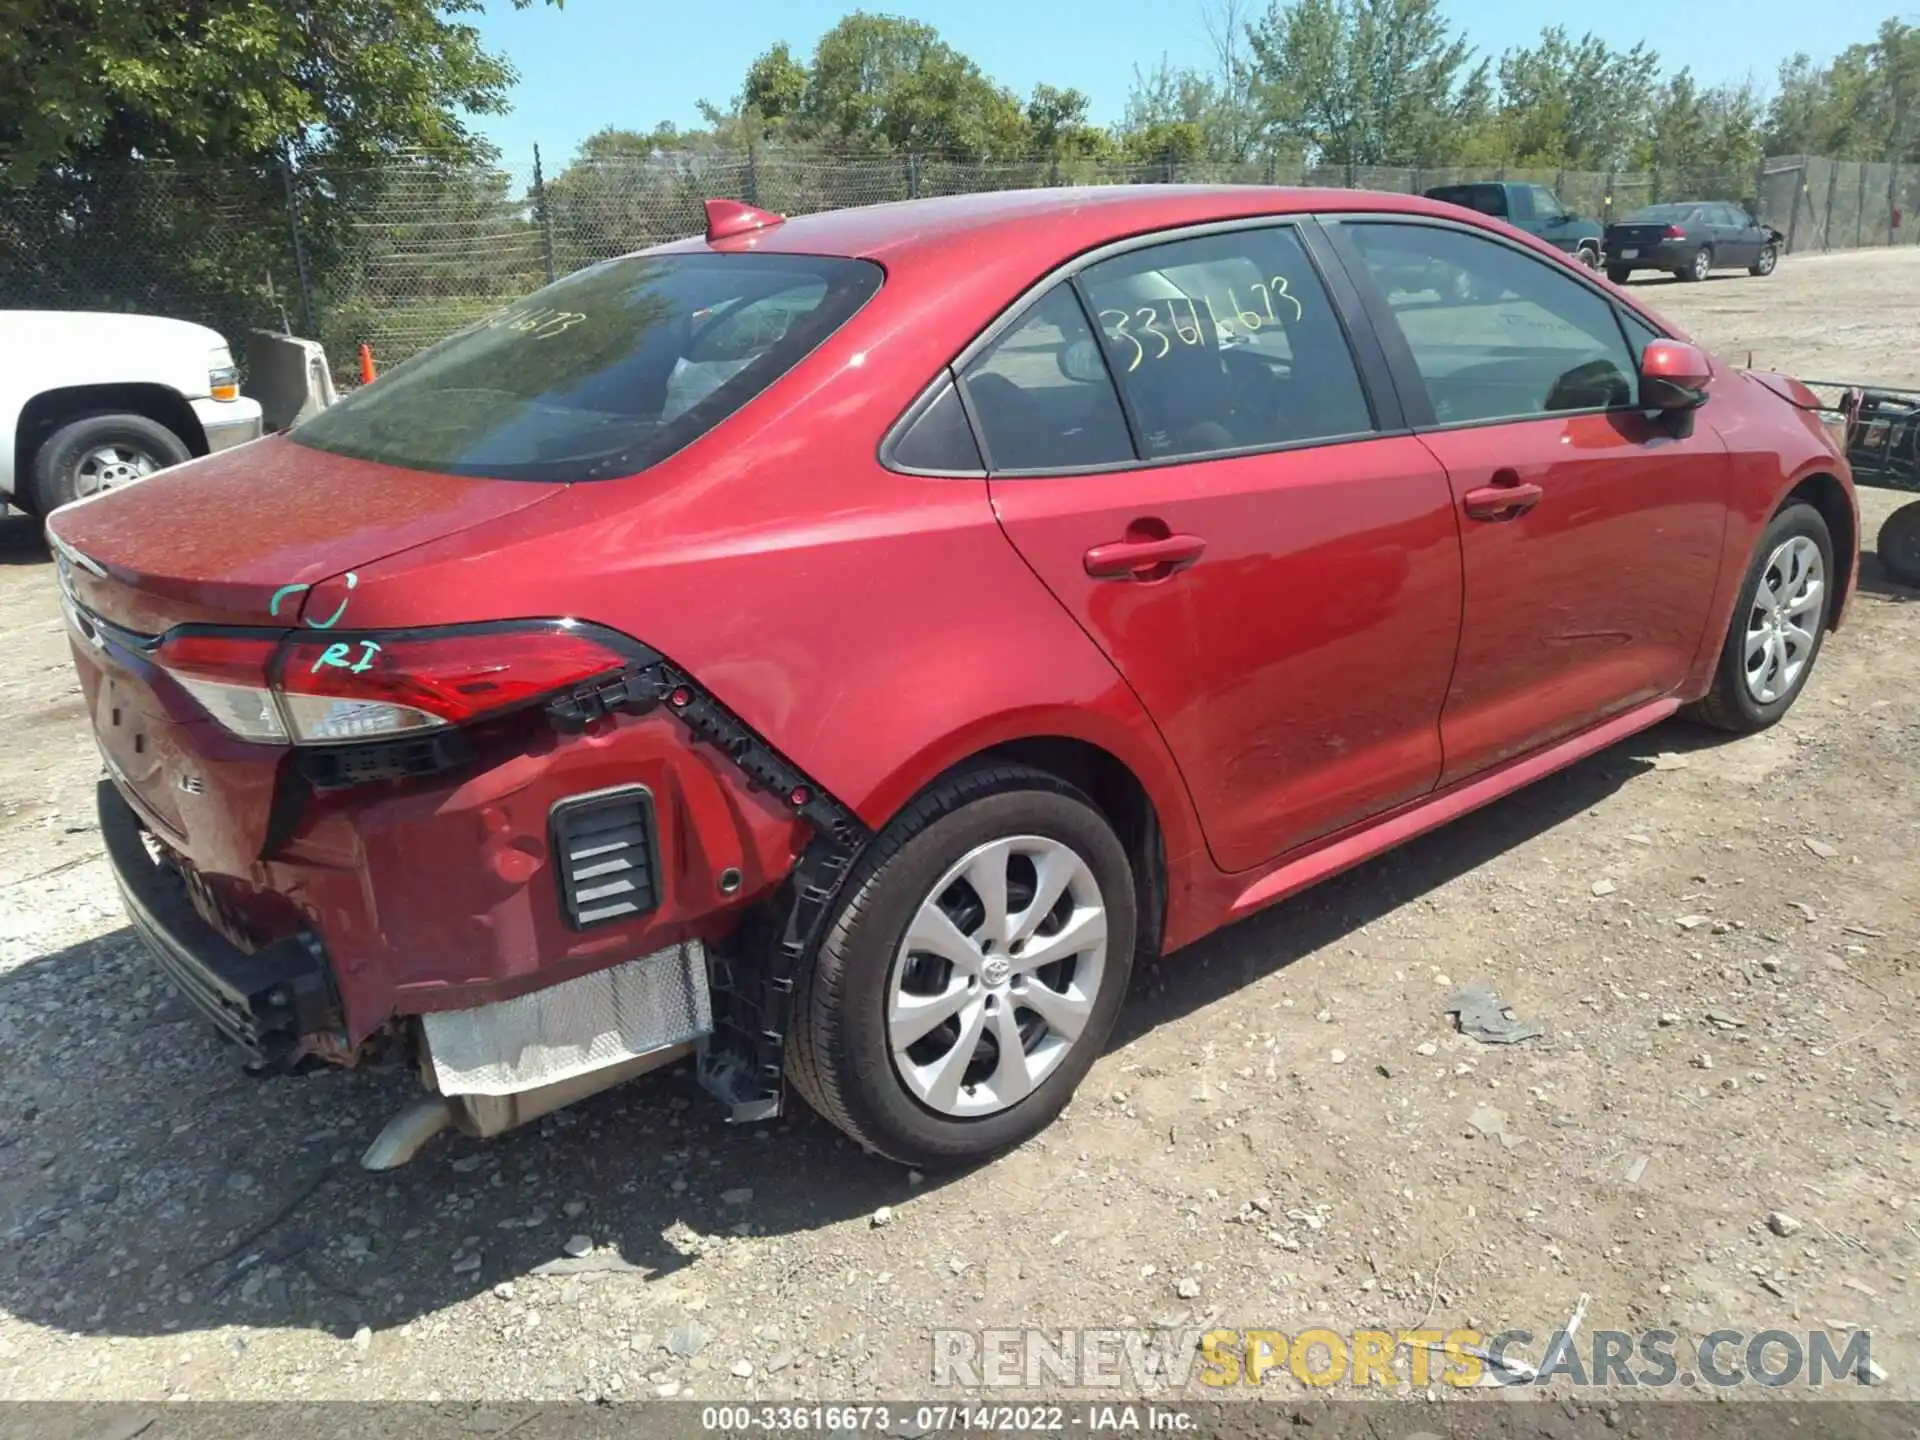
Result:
[1690,238]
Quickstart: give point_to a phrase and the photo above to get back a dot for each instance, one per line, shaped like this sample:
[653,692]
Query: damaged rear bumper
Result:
[516,976]
[492,1067]
[265,1001]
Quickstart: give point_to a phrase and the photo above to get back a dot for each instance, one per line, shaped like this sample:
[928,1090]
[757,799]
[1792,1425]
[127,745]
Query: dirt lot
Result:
[1285,1133]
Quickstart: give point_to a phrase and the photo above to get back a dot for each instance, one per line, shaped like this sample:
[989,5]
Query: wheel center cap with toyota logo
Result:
[995,970]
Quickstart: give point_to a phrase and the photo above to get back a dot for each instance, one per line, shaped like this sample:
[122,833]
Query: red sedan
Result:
[839,648]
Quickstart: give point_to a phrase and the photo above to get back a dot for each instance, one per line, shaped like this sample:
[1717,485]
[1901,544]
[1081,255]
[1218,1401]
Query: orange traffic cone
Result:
[366,365]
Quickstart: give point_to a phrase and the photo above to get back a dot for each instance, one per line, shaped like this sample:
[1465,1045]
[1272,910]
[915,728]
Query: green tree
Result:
[881,82]
[1166,115]
[1057,121]
[627,189]
[89,81]
[1371,82]
[1186,113]
[1701,141]
[1578,103]
[1863,106]
[776,85]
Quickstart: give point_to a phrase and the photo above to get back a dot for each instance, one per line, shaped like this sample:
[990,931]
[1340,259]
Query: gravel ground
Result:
[1717,938]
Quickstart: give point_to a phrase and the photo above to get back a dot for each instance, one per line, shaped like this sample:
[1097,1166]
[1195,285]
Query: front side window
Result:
[1639,335]
[1226,342]
[602,374]
[1496,334]
[1546,204]
[1042,394]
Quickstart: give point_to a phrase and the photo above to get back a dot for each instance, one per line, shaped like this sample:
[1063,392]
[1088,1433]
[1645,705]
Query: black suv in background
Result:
[1690,239]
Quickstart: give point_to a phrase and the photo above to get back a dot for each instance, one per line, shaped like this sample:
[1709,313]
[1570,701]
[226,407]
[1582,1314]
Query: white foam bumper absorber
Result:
[573,1028]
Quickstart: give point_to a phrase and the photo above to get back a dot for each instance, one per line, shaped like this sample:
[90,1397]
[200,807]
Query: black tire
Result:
[57,476]
[1899,544]
[1699,266]
[839,1058]
[1730,705]
[1619,274]
[1763,264]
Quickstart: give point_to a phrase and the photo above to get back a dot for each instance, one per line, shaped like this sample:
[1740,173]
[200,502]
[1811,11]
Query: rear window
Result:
[1487,199]
[602,374]
[1662,213]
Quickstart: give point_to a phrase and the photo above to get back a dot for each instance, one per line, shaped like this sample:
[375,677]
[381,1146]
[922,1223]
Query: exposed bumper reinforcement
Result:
[743,1062]
[264,1001]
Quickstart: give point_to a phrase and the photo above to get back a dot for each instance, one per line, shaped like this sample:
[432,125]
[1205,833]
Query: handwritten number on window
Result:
[1189,333]
[536,324]
[1279,284]
[1123,329]
[1119,320]
[1147,315]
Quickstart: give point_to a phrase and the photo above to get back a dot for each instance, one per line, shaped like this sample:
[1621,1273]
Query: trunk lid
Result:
[1638,232]
[219,542]
[216,541]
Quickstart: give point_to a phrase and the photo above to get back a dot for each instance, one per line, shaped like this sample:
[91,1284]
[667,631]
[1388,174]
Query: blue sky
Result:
[633,63]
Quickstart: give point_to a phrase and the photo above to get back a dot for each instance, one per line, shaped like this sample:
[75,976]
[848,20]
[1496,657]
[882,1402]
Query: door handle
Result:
[1143,559]
[1501,501]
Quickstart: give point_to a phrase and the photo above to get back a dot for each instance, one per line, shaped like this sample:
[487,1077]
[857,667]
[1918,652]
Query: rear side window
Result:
[938,440]
[603,374]
[1496,334]
[1226,342]
[1043,396]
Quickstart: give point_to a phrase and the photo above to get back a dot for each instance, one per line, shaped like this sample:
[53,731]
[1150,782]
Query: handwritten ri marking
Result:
[339,655]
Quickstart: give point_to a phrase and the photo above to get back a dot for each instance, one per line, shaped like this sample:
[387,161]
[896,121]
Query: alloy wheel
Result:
[1702,264]
[107,466]
[1787,611]
[997,975]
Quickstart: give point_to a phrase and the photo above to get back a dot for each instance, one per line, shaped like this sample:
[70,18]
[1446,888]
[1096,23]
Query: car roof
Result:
[1060,221]
[951,259]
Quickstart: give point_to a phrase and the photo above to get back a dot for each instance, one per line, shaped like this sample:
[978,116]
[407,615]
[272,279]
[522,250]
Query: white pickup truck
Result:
[91,400]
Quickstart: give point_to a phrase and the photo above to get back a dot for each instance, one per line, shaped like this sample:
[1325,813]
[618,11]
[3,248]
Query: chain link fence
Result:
[1822,204]
[401,255]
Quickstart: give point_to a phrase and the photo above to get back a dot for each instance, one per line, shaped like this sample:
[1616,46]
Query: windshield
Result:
[602,374]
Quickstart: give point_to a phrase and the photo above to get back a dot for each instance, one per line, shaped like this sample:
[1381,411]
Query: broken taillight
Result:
[316,688]
[227,674]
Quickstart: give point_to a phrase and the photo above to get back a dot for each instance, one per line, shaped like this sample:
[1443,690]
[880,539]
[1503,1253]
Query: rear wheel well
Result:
[1119,795]
[49,410]
[1826,495]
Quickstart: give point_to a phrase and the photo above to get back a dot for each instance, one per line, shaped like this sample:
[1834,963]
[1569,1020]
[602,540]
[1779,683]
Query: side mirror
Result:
[1674,376]
[1080,361]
